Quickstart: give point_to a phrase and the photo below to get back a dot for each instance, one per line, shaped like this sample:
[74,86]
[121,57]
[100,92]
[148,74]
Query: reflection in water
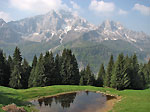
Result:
[73,102]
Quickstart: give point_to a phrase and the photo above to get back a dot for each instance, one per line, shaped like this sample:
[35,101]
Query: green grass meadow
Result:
[132,100]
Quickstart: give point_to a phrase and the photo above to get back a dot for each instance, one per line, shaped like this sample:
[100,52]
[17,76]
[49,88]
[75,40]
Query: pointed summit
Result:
[2,22]
[110,26]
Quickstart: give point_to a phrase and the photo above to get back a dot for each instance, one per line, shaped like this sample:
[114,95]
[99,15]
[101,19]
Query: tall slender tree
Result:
[40,76]
[69,68]
[89,76]
[58,68]
[116,79]
[101,76]
[2,68]
[32,73]
[26,73]
[109,72]
[16,75]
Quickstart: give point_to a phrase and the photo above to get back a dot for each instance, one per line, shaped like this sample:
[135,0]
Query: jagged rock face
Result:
[44,27]
[66,26]
[110,30]
[2,22]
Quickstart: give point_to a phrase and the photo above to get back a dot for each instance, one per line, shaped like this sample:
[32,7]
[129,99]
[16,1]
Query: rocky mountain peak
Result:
[110,26]
[2,22]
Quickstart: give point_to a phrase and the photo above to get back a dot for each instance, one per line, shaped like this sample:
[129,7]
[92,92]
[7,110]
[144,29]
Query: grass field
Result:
[132,100]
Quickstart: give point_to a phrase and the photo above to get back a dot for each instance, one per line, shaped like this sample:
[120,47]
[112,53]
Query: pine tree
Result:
[32,73]
[81,81]
[89,76]
[2,68]
[69,68]
[101,76]
[16,75]
[7,70]
[116,79]
[34,62]
[135,77]
[83,78]
[126,81]
[40,77]
[109,72]
[16,78]
[50,69]
[58,68]
[26,73]
[10,62]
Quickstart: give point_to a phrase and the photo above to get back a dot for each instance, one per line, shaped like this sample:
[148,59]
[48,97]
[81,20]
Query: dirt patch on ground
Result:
[109,103]
[13,108]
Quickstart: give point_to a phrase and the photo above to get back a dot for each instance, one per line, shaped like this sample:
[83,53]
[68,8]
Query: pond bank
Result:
[107,106]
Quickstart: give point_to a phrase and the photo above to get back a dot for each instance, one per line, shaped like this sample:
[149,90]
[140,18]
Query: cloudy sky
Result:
[133,14]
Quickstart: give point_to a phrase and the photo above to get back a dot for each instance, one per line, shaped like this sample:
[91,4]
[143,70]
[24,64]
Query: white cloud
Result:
[143,9]
[38,6]
[75,5]
[101,6]
[5,16]
[122,12]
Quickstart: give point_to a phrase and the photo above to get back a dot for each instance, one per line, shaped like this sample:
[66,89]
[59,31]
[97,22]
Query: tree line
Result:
[47,70]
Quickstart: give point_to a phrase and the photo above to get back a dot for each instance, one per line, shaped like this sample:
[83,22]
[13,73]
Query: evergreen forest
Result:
[123,73]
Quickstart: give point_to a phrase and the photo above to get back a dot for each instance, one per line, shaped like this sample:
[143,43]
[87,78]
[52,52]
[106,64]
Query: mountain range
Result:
[56,30]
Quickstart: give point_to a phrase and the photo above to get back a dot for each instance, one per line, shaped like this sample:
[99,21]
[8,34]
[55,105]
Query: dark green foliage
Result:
[136,81]
[2,68]
[40,76]
[89,76]
[69,68]
[50,69]
[58,68]
[83,78]
[109,72]
[32,73]
[17,59]
[101,76]
[26,73]
[81,81]
[34,62]
[17,72]
[116,79]
[126,73]
[16,77]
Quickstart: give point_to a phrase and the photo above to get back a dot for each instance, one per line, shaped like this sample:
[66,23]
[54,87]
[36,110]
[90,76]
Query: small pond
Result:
[83,101]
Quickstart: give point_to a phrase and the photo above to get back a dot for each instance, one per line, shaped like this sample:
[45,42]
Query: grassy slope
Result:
[132,101]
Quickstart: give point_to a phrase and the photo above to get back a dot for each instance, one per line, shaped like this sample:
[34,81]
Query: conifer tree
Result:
[34,62]
[126,81]
[32,73]
[58,68]
[89,76]
[2,68]
[10,62]
[40,77]
[116,79]
[26,73]
[101,76]
[50,69]
[81,81]
[69,68]
[7,70]
[16,75]
[135,77]
[83,78]
[109,72]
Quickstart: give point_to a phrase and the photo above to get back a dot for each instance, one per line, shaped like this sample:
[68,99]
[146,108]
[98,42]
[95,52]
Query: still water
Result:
[83,101]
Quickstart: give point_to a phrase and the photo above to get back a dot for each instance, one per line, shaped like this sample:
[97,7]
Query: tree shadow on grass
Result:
[9,98]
